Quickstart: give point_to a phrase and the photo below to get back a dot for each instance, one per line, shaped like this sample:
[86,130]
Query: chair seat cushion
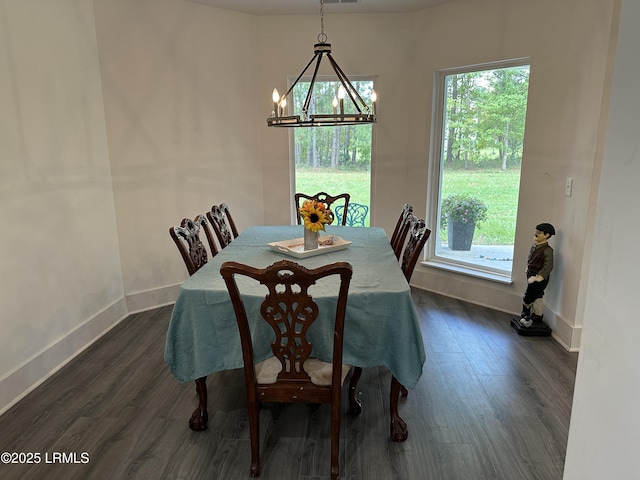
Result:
[319,371]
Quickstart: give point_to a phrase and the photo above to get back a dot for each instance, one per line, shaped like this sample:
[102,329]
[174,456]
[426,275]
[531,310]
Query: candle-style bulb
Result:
[275,96]
[283,104]
[341,92]
[374,97]
[335,104]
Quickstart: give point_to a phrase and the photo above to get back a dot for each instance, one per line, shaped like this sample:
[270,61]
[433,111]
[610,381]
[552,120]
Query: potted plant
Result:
[460,214]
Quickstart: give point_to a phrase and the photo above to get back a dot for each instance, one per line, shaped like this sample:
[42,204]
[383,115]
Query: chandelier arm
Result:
[300,76]
[305,107]
[348,86]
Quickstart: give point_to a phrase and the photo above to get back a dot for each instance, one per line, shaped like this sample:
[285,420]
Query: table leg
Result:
[399,432]
[200,417]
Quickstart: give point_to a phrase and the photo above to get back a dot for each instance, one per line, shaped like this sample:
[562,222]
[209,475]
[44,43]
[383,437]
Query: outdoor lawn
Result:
[498,189]
[336,181]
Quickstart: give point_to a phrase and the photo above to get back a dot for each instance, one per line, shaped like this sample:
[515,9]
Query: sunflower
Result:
[315,215]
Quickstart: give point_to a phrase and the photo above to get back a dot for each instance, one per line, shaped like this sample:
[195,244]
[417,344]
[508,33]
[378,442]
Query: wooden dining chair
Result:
[194,255]
[418,236]
[187,239]
[324,197]
[209,233]
[399,236]
[225,208]
[292,375]
[356,214]
[218,218]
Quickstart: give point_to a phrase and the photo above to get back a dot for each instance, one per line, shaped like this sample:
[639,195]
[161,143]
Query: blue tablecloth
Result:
[381,327]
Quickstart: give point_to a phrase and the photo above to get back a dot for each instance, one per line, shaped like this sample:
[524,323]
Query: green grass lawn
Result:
[332,181]
[499,191]
[496,188]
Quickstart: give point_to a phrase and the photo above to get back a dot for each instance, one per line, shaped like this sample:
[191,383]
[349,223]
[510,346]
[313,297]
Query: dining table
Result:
[382,327]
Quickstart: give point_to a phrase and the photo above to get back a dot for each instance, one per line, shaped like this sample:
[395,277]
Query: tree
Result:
[461,109]
[502,119]
[342,146]
[485,112]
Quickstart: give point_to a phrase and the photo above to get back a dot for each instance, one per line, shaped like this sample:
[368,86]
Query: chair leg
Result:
[254,431]
[403,391]
[335,439]
[355,405]
[200,418]
[399,431]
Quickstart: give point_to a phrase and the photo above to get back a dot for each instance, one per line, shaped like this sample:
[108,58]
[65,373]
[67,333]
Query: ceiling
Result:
[298,7]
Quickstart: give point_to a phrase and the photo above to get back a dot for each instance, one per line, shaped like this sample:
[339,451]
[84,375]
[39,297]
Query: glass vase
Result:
[311,239]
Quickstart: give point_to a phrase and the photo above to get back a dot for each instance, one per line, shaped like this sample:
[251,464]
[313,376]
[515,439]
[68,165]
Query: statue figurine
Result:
[539,266]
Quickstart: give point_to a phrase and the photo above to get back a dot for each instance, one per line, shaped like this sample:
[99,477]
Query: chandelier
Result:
[362,115]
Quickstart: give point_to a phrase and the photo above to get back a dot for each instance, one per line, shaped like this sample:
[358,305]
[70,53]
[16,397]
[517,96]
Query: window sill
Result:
[470,271]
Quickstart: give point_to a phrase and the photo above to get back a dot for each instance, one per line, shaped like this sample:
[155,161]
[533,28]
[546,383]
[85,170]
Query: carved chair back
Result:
[401,230]
[322,197]
[218,218]
[187,239]
[225,208]
[418,236]
[205,224]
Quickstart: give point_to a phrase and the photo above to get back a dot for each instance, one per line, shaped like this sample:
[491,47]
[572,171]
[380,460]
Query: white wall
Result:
[180,103]
[59,256]
[605,428]
[568,46]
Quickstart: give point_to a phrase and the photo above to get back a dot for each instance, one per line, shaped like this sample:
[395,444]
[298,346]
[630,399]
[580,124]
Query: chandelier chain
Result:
[322,37]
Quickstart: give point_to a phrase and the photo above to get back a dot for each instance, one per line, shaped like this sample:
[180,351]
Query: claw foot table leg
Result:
[200,416]
[399,431]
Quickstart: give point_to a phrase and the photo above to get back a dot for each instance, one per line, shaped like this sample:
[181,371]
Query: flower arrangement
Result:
[462,208]
[315,215]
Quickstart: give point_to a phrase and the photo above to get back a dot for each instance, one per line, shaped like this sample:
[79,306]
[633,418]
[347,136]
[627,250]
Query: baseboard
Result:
[158,297]
[26,377]
[564,333]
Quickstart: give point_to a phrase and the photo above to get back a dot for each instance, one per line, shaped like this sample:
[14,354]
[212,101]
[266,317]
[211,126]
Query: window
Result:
[480,128]
[332,159]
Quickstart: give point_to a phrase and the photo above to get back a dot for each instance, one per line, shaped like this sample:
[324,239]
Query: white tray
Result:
[295,246]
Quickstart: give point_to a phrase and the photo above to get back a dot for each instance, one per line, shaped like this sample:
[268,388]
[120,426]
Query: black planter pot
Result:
[460,235]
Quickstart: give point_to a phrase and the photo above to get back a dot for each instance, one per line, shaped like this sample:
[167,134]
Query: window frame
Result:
[435,172]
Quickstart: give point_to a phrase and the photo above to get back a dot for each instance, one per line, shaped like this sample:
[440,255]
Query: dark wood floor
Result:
[490,405]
